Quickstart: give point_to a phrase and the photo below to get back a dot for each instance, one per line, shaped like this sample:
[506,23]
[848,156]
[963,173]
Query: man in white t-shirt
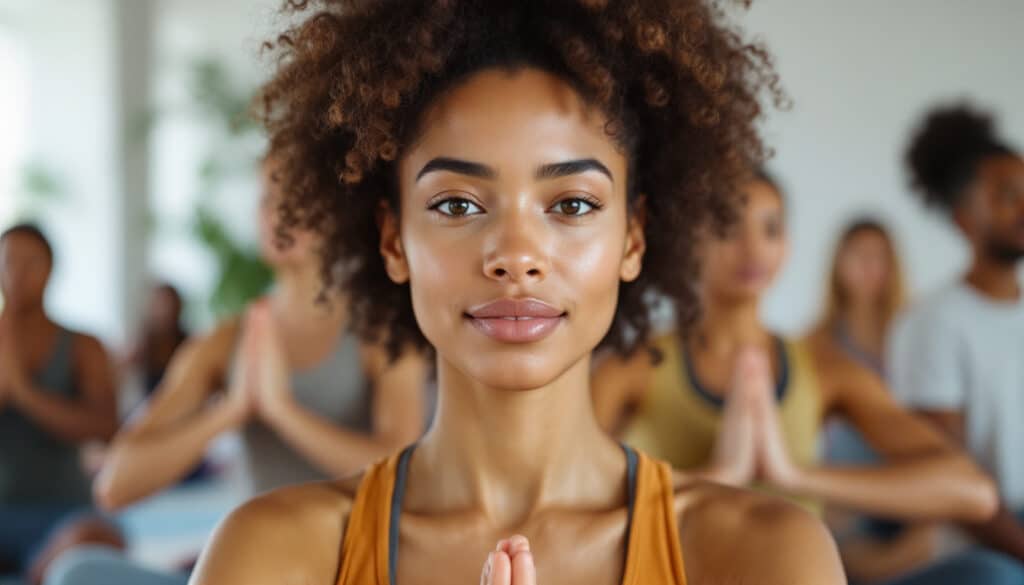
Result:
[958,356]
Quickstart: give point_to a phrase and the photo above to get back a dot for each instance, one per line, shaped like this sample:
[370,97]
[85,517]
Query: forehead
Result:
[762,198]
[1006,169]
[23,244]
[506,118]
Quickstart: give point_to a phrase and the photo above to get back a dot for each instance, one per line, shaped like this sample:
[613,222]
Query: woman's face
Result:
[24,270]
[303,242]
[513,232]
[863,266]
[740,265]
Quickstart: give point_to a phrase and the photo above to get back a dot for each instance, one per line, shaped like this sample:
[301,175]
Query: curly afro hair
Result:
[682,92]
[944,154]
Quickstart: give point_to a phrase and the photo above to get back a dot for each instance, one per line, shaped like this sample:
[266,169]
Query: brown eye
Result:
[457,207]
[575,207]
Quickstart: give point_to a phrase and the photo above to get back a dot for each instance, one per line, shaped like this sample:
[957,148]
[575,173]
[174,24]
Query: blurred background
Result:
[123,133]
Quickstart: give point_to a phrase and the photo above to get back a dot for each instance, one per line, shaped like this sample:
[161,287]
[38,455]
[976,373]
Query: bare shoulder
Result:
[730,535]
[291,535]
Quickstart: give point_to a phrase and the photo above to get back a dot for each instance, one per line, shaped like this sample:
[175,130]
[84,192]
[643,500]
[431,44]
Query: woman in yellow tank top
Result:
[689,410]
[493,175]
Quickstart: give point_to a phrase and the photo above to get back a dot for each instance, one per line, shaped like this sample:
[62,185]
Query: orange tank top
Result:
[369,551]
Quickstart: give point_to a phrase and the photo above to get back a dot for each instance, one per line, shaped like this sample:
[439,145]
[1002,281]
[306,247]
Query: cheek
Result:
[439,272]
[590,268]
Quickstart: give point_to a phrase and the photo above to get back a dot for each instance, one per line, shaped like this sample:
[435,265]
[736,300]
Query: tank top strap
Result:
[365,547]
[654,554]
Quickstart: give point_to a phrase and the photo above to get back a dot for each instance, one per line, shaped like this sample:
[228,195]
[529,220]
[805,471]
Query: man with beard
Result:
[958,356]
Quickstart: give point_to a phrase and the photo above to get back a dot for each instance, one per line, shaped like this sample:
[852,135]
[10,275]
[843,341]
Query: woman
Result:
[160,336]
[497,173]
[310,400]
[56,394]
[687,409]
[864,294]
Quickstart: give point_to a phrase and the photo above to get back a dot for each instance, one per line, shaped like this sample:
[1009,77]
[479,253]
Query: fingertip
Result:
[518,543]
[524,570]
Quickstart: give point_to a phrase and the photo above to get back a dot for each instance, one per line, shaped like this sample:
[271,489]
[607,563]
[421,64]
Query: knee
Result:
[90,530]
[85,565]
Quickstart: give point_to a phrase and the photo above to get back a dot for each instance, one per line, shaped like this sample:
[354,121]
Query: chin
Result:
[518,371]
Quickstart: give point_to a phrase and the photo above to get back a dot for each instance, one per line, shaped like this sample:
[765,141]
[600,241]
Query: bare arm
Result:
[398,417]
[1003,532]
[91,415]
[924,476]
[170,437]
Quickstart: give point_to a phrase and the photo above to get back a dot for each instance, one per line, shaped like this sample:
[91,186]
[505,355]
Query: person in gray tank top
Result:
[56,393]
[309,400]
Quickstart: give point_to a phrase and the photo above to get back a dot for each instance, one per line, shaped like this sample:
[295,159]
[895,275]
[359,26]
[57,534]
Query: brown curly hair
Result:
[680,88]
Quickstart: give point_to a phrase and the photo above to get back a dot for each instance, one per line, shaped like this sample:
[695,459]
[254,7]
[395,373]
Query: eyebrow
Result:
[573,167]
[549,171]
[454,165]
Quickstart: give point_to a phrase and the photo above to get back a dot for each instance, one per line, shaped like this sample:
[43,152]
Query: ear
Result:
[636,244]
[391,245]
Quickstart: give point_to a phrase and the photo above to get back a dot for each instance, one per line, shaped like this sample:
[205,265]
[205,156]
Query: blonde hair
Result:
[893,295]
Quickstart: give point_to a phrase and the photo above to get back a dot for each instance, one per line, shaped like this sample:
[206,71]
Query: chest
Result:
[569,549]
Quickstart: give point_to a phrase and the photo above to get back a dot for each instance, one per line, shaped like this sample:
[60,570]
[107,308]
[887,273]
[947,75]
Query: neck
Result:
[23,319]
[726,326]
[863,323]
[508,454]
[996,280]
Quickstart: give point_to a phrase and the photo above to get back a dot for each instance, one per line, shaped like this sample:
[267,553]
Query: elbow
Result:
[106,494]
[110,488]
[980,495]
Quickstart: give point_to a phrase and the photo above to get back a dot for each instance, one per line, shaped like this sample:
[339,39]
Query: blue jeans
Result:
[975,566]
[24,531]
[94,565]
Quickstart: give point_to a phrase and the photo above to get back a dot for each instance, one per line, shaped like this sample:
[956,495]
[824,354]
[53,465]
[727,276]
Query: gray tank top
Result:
[37,468]
[335,389]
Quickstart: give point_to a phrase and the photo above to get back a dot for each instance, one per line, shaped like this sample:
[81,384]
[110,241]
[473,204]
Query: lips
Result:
[516,320]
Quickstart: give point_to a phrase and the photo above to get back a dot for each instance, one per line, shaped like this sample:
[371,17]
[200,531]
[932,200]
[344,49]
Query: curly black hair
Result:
[945,151]
[681,88]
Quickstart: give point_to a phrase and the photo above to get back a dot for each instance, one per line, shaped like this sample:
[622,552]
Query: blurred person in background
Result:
[159,336]
[57,392]
[864,293]
[956,356]
[687,409]
[308,398]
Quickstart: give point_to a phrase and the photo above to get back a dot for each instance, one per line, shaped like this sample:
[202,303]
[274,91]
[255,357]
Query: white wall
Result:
[861,74]
[69,122]
[229,32]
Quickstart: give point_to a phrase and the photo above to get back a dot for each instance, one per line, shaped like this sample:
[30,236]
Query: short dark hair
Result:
[945,152]
[32,230]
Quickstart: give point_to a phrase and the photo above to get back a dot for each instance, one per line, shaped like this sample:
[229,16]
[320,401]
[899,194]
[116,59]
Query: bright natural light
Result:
[13,119]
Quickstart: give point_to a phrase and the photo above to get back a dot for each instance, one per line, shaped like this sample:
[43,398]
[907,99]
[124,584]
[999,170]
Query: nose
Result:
[516,253]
